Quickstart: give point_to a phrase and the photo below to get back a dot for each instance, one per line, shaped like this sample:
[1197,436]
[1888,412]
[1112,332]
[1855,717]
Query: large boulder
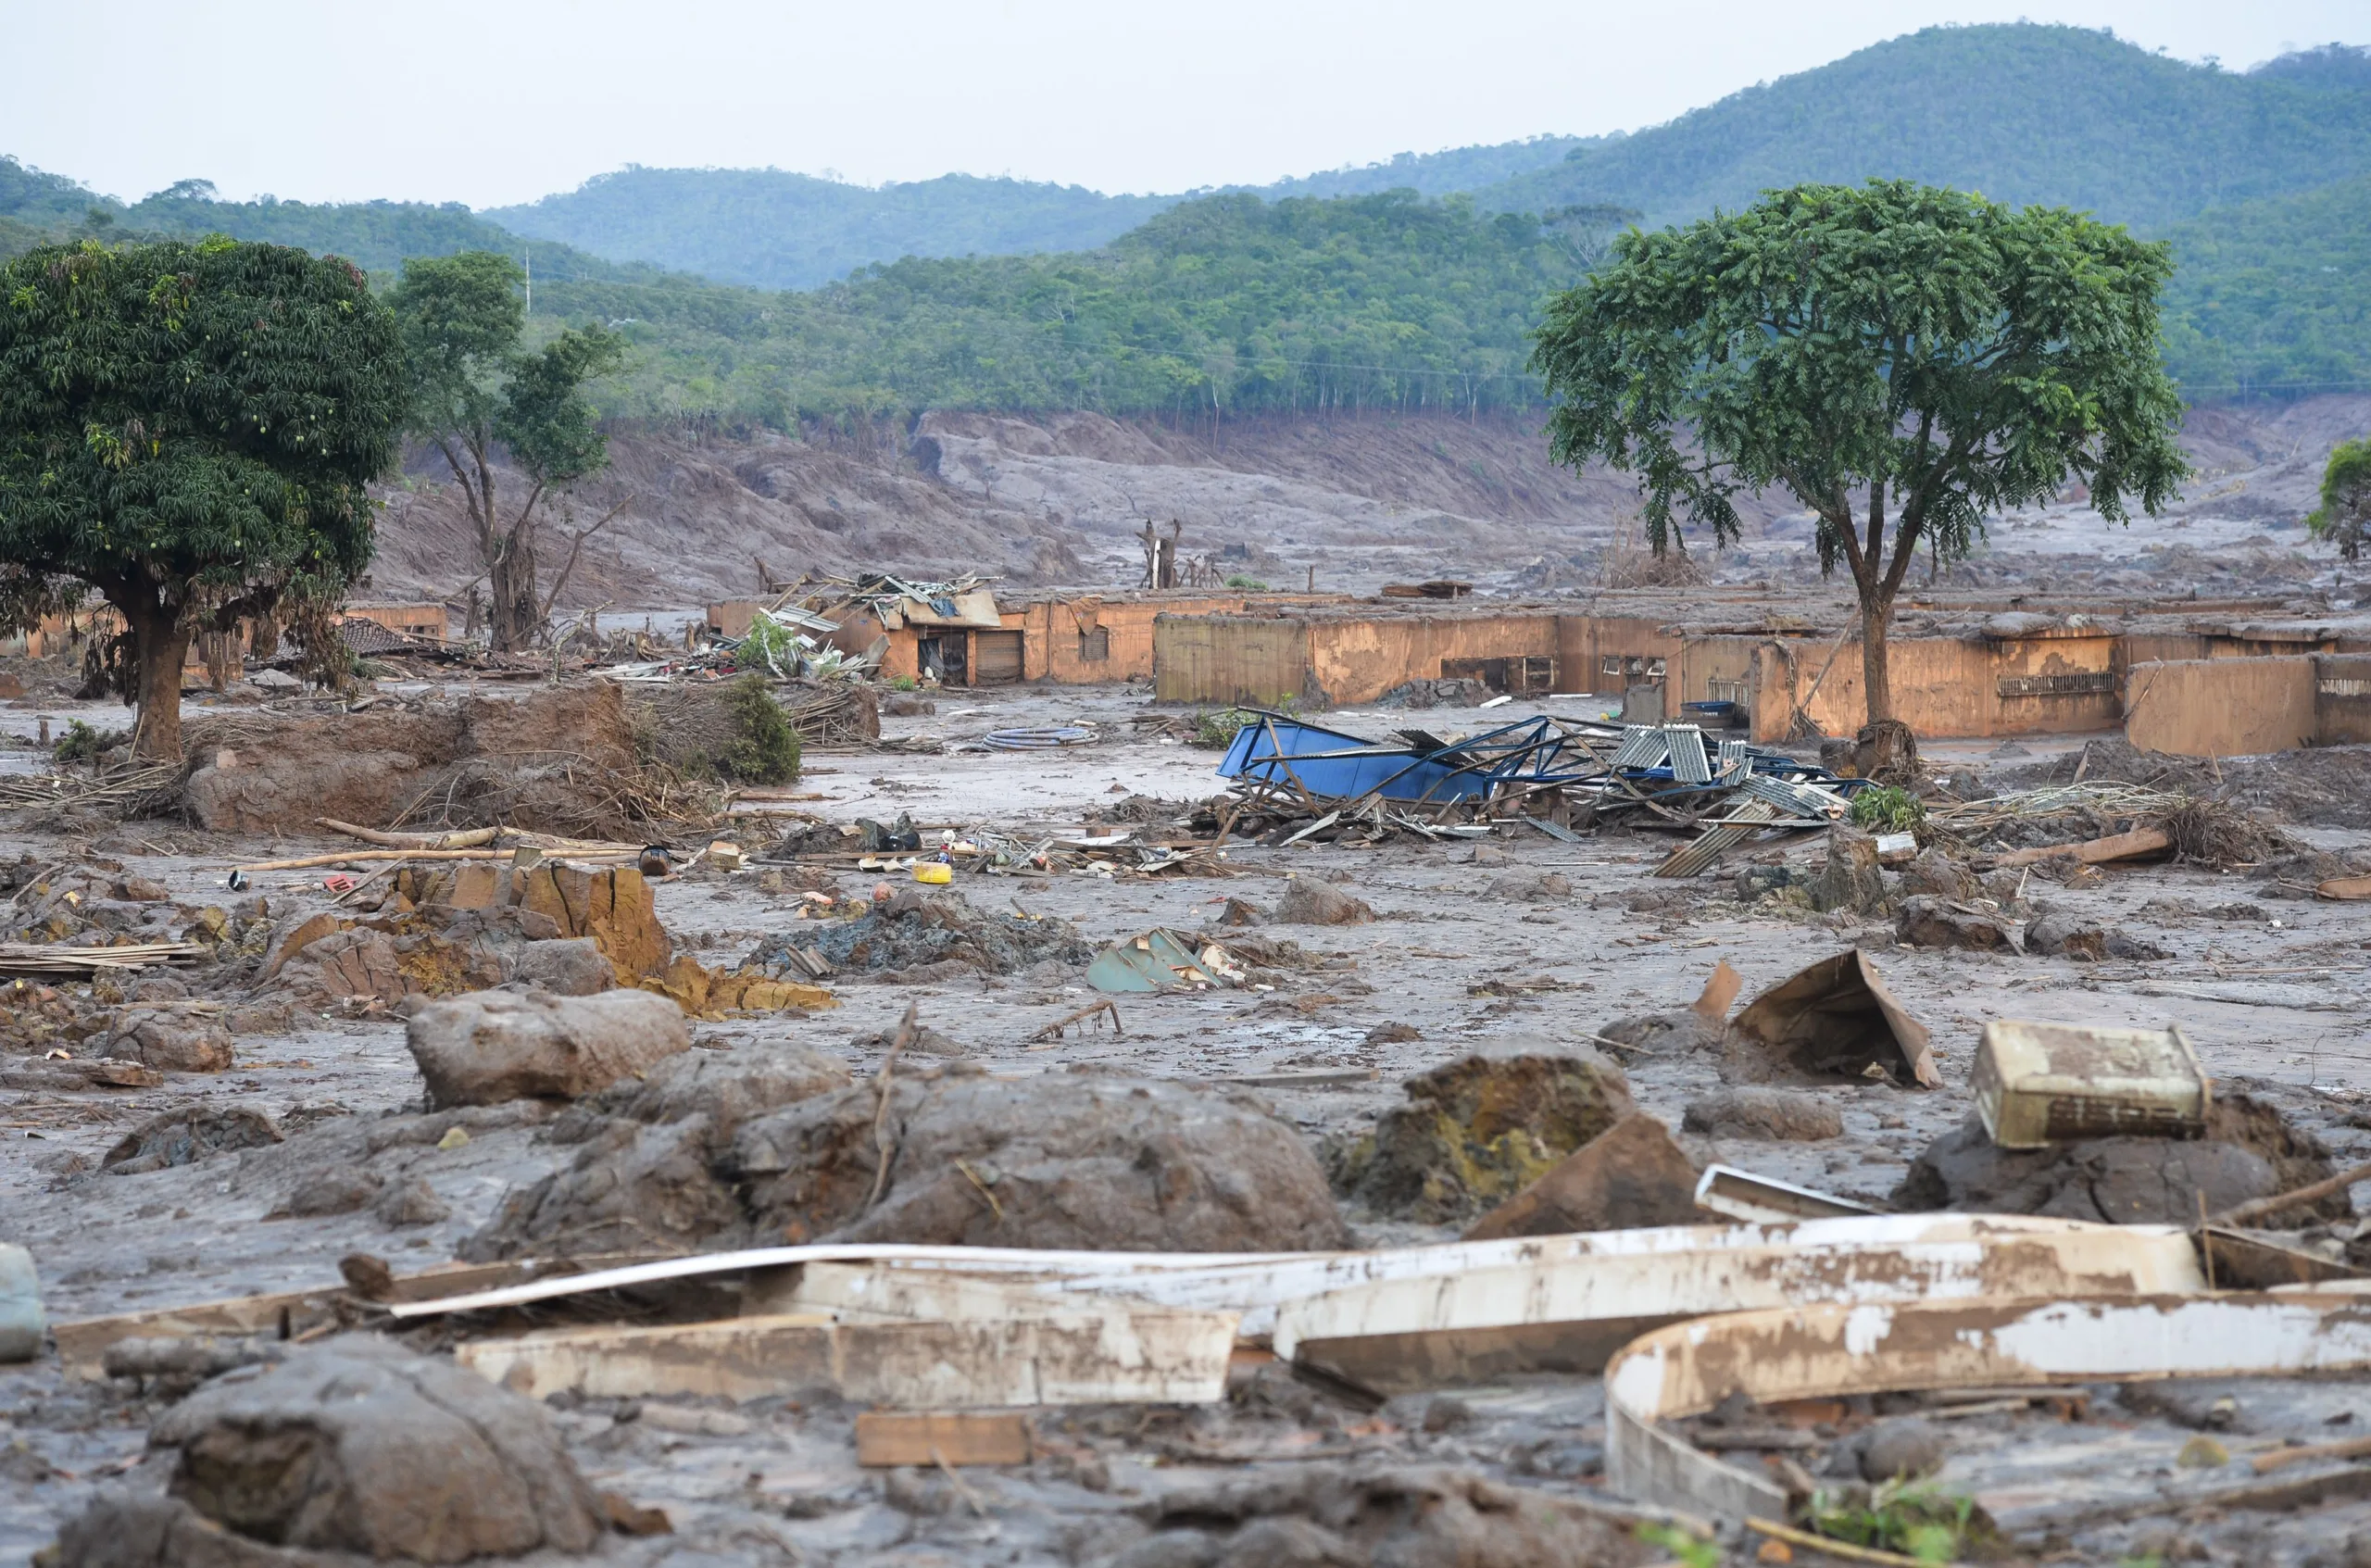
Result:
[1074,1161]
[1308,900]
[495,1045]
[168,1038]
[1480,1130]
[1083,1162]
[2249,1151]
[356,1446]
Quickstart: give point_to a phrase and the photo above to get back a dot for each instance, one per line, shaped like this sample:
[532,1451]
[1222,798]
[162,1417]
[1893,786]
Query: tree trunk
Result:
[1875,687]
[514,614]
[160,647]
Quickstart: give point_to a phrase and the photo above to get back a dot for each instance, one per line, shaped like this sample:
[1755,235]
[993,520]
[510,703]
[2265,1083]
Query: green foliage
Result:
[764,748]
[189,428]
[1888,808]
[1688,1551]
[1913,1518]
[2273,296]
[905,684]
[2344,516]
[80,743]
[1246,581]
[2023,113]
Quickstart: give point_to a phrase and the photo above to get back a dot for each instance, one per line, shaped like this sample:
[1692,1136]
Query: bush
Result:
[1217,730]
[1888,808]
[82,744]
[1250,584]
[764,748]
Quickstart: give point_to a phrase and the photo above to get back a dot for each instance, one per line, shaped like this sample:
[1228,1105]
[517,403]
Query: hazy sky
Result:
[495,101]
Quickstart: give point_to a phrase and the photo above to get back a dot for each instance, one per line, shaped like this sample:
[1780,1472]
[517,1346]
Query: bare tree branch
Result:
[577,548]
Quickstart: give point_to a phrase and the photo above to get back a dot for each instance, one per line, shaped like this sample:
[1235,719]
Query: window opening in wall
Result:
[1094,644]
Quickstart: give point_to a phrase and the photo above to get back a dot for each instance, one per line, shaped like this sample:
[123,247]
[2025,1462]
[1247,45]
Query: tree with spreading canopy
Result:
[1904,361]
[2344,516]
[188,428]
[477,395]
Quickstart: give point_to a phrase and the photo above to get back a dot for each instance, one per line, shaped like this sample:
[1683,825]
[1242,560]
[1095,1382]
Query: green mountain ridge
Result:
[1247,301]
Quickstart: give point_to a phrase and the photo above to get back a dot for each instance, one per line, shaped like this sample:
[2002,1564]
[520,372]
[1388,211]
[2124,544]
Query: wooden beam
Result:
[889,1437]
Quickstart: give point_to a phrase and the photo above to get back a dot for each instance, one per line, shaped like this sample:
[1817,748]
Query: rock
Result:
[1628,1176]
[1851,879]
[276,1016]
[1937,875]
[1530,887]
[294,935]
[330,1192]
[1936,922]
[1480,1130]
[143,890]
[1769,1114]
[1241,912]
[411,1202]
[168,1040]
[360,962]
[353,1446]
[1486,854]
[495,1045]
[575,967]
[2063,934]
[2122,1180]
[630,1189]
[156,988]
[1308,901]
[1393,1033]
[1766,882]
[188,1134]
[726,1087]
[1902,1448]
[1335,1516]
[1078,1160]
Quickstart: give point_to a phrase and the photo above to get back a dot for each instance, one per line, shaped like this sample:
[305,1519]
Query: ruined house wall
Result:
[1257,661]
[1357,660]
[2342,699]
[2221,707]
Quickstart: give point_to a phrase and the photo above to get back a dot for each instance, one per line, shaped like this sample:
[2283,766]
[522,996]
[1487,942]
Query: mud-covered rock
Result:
[2061,934]
[1851,879]
[1305,1516]
[168,1038]
[727,1088]
[1078,1160]
[187,1133]
[1630,1175]
[1530,887]
[1938,922]
[630,1189]
[1310,901]
[1765,1113]
[2249,1151]
[1480,1130]
[495,1045]
[576,967]
[1937,875]
[356,1446]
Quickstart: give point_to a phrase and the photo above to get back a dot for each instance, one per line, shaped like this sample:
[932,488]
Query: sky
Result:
[490,102]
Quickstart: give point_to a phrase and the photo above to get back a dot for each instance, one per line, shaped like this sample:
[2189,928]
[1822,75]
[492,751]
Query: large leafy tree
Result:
[477,396]
[2344,516]
[188,428]
[1904,361]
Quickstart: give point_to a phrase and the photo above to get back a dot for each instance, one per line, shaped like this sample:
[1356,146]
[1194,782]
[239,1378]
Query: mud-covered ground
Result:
[2274,990]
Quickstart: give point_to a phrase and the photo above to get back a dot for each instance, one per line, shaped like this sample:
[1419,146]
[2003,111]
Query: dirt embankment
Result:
[1056,500]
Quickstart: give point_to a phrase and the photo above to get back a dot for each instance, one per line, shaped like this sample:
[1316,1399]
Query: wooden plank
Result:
[1068,1357]
[887,1437]
[82,1343]
[2115,846]
[2347,888]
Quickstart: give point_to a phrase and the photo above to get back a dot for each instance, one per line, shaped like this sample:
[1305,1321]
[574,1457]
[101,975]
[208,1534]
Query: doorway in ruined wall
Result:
[944,657]
[995,658]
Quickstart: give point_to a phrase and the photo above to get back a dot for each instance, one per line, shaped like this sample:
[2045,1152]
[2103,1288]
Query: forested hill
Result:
[2023,113]
[774,230]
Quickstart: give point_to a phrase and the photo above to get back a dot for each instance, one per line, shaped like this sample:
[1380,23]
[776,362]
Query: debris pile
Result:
[916,938]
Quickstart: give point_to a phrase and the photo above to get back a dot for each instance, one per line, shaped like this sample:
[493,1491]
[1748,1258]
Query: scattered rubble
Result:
[1629,1177]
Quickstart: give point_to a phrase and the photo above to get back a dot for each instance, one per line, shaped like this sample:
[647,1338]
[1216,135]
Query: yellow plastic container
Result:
[937,872]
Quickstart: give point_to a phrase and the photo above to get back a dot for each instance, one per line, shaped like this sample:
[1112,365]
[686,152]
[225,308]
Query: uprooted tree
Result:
[477,396]
[1890,354]
[188,428]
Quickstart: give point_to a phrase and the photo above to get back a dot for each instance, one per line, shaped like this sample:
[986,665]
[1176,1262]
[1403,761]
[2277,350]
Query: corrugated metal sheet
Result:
[1688,763]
